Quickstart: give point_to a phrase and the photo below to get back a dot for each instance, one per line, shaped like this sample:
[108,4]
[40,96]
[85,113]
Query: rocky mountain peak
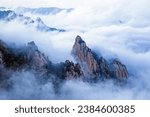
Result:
[94,67]
[85,57]
[31,45]
[37,60]
[28,56]
[79,40]
[88,66]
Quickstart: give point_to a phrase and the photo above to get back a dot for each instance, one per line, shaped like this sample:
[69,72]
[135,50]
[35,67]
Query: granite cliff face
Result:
[36,60]
[86,58]
[119,70]
[94,67]
[88,65]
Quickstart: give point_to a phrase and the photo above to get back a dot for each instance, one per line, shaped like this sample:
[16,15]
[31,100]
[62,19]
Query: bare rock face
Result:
[119,70]
[36,59]
[12,58]
[104,68]
[72,71]
[85,57]
[94,67]
[24,57]
[113,69]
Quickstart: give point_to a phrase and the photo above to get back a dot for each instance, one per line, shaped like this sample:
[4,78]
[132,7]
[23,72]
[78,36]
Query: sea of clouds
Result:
[116,29]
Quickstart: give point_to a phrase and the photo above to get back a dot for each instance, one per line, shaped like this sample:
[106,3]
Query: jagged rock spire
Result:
[31,45]
[36,59]
[94,67]
[85,57]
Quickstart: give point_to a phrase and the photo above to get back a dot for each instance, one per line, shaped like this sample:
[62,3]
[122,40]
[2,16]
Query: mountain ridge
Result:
[9,15]
[86,68]
[42,10]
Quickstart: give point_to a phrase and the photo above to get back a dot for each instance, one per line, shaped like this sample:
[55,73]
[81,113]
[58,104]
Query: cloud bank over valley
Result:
[112,29]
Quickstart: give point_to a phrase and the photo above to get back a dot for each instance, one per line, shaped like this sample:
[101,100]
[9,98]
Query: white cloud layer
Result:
[116,28]
[56,3]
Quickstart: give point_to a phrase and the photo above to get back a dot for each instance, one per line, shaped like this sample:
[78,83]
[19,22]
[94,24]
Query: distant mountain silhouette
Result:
[9,15]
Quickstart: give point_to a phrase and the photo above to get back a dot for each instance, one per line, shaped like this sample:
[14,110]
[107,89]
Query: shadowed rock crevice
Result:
[72,71]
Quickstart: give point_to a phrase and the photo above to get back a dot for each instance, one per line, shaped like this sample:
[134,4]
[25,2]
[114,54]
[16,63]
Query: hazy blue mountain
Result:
[42,10]
[2,8]
[9,15]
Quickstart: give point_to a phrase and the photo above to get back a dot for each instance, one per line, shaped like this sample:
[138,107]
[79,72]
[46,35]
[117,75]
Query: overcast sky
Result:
[67,3]
[59,3]
[36,3]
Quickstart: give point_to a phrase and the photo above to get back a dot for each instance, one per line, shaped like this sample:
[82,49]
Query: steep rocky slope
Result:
[94,67]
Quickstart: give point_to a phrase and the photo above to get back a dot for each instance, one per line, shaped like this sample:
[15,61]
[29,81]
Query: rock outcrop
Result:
[104,68]
[85,57]
[35,58]
[94,67]
[119,70]
[72,71]
[28,57]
